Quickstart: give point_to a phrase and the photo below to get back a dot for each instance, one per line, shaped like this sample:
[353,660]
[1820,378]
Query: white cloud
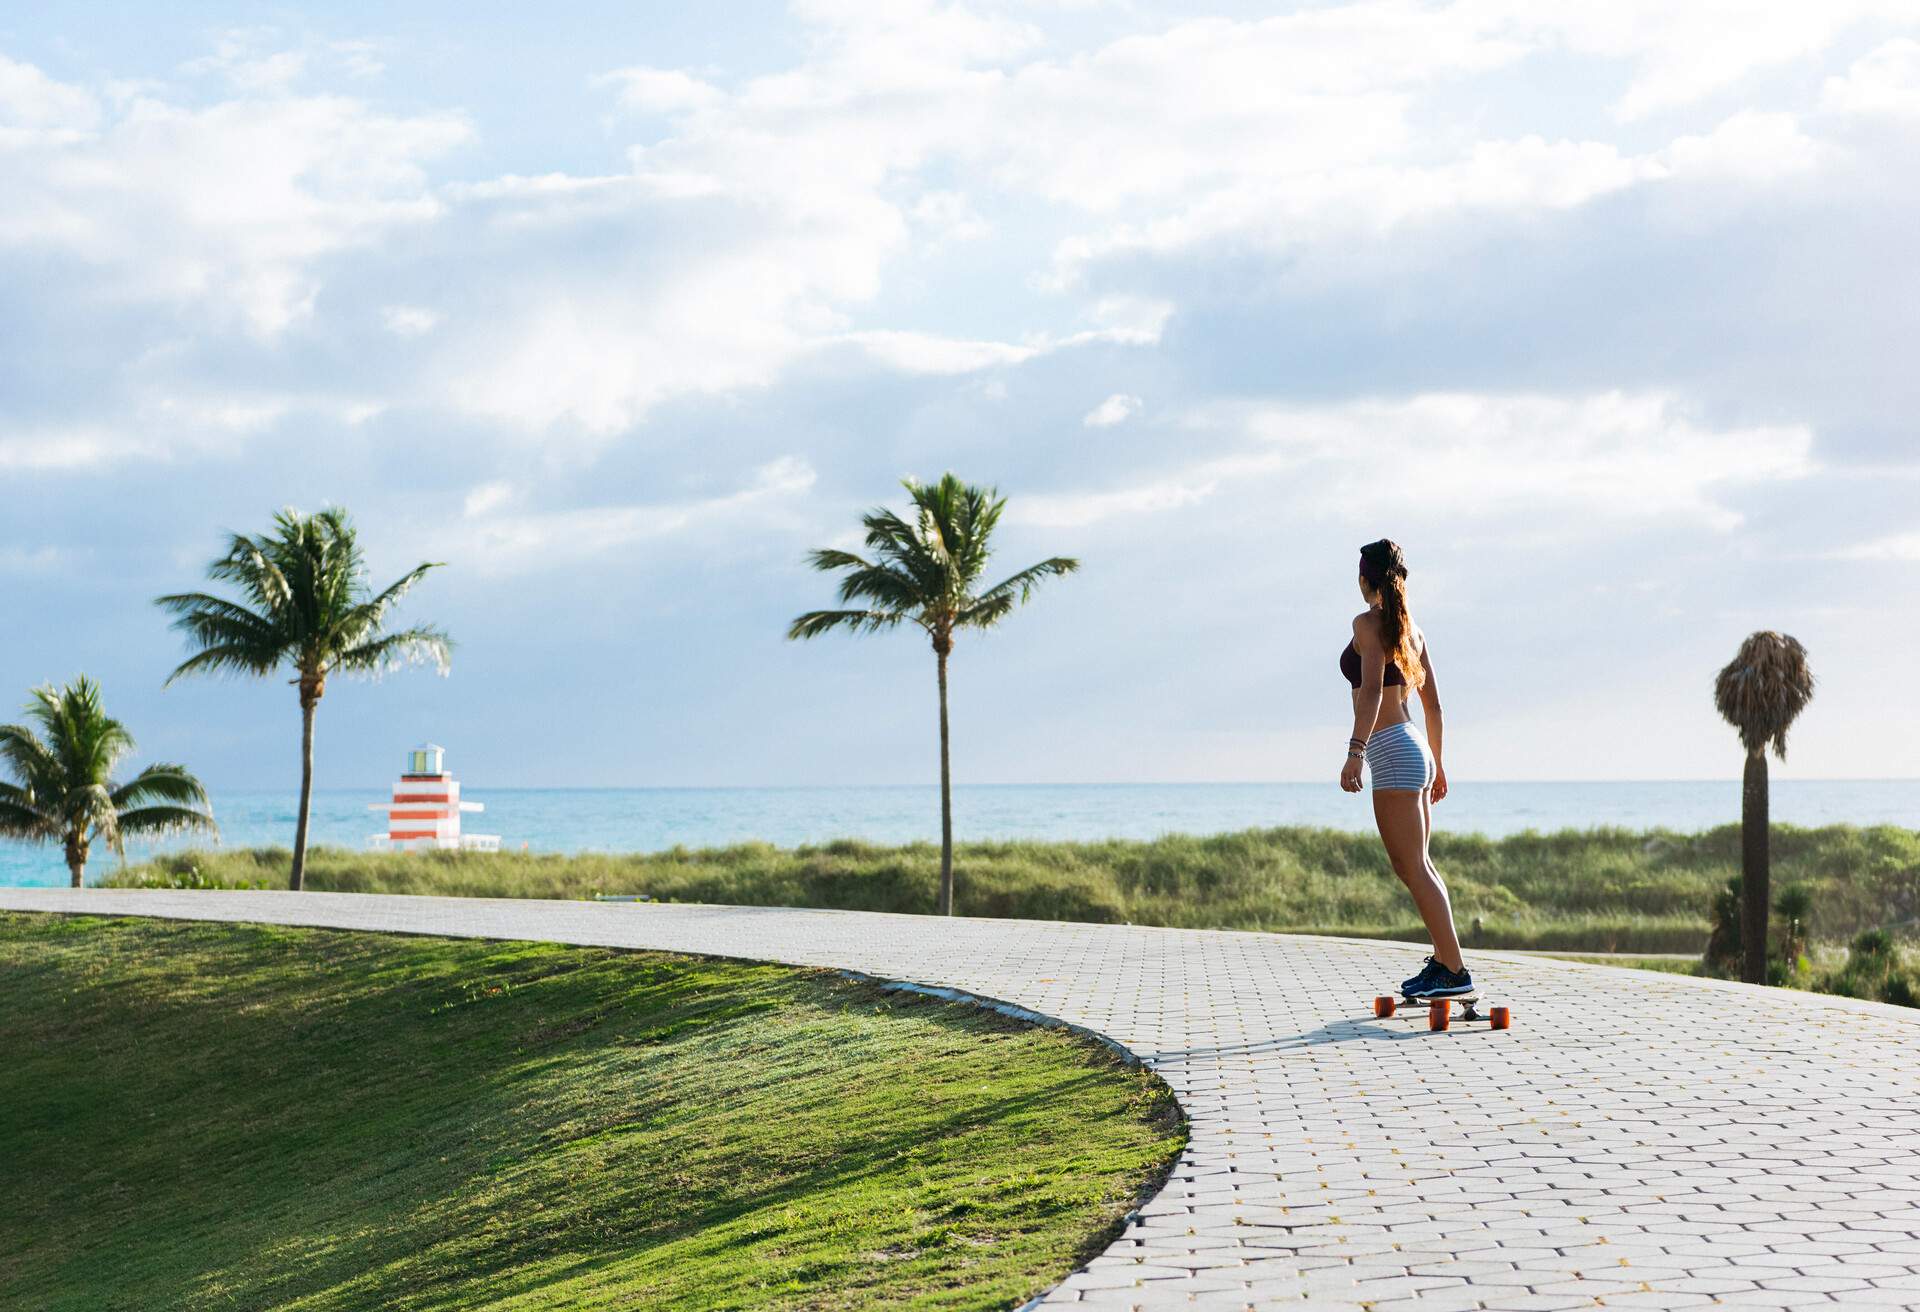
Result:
[659,90]
[36,110]
[1369,201]
[1684,53]
[1612,454]
[1125,323]
[946,216]
[1468,456]
[409,320]
[1116,409]
[162,423]
[1750,147]
[230,207]
[512,543]
[487,498]
[31,560]
[924,353]
[1896,546]
[806,185]
[1079,509]
[64,449]
[256,60]
[1134,320]
[1883,83]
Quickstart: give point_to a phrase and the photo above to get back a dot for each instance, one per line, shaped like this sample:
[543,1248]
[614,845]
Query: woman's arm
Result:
[1366,699]
[1430,703]
[1373,674]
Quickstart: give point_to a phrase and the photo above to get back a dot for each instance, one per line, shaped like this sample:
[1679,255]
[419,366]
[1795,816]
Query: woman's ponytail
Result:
[1384,567]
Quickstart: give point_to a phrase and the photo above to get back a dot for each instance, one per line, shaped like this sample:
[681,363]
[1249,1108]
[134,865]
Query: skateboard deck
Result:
[1440,1010]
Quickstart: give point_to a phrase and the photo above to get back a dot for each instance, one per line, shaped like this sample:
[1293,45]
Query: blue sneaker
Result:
[1444,983]
[1421,980]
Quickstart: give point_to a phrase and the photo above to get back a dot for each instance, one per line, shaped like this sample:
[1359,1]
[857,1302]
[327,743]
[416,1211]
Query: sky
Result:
[1606,313]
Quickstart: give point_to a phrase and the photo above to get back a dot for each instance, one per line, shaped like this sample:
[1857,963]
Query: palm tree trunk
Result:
[1754,871]
[77,861]
[946,801]
[307,705]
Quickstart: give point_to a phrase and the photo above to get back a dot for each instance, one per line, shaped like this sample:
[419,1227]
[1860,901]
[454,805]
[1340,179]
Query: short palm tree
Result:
[1760,693]
[308,608]
[64,791]
[924,571]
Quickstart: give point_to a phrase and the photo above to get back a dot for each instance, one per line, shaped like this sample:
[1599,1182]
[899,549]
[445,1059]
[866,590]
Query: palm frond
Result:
[395,651]
[157,821]
[305,601]
[84,741]
[924,566]
[828,558]
[816,622]
[1024,582]
[366,618]
[248,643]
[222,660]
[160,783]
[985,612]
[1763,689]
[65,790]
[957,520]
[30,759]
[250,565]
[21,817]
[889,589]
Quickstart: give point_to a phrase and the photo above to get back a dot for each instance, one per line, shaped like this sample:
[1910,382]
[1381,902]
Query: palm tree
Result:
[65,791]
[1759,693]
[924,573]
[307,607]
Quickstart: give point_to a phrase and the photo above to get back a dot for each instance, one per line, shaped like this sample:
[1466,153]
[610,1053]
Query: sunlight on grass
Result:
[207,1116]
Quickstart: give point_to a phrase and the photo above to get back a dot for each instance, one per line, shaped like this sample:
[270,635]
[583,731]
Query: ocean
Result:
[652,819]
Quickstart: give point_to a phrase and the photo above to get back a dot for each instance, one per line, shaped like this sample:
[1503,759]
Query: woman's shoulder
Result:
[1367,623]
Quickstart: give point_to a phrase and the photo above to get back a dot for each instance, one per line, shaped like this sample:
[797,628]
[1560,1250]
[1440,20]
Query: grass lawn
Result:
[200,1116]
[1600,890]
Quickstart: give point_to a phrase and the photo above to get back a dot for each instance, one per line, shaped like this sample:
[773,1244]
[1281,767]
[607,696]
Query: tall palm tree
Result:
[65,792]
[1760,692]
[924,572]
[307,606]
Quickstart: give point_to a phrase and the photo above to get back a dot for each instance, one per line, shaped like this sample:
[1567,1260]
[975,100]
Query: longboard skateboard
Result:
[1440,1011]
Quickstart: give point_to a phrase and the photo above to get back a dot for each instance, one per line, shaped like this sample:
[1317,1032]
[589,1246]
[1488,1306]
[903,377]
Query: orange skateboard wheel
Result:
[1383,1006]
[1438,1014]
[1500,1018]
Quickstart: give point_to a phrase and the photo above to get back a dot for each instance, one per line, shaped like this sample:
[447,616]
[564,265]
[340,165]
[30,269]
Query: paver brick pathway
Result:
[1636,1141]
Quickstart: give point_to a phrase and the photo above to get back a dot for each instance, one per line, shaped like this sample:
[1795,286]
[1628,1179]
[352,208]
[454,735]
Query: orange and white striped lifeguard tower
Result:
[424,812]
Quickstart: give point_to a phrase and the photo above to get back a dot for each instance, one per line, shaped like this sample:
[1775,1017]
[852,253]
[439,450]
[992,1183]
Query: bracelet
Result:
[1356,756]
[1358,742]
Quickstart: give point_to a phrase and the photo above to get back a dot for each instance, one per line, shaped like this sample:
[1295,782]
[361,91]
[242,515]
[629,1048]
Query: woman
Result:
[1387,657]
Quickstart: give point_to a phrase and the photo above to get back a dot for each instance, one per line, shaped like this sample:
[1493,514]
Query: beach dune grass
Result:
[1597,890]
[203,1116]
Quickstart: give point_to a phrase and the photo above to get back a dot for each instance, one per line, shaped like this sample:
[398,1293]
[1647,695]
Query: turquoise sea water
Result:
[650,819]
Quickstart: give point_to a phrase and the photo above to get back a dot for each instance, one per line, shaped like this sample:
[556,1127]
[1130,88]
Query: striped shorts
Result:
[1398,757]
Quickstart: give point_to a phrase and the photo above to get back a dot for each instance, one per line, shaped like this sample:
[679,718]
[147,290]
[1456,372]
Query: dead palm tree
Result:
[65,792]
[308,608]
[1760,693]
[924,572]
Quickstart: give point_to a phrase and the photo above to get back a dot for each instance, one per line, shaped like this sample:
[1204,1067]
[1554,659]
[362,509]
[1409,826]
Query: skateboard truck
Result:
[1440,1012]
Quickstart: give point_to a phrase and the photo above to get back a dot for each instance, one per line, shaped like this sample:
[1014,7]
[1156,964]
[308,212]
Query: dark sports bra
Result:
[1350,666]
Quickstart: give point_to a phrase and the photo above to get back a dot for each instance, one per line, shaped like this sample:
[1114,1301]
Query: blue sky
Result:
[1607,313]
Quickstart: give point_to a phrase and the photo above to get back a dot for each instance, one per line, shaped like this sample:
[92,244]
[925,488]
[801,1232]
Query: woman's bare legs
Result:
[1405,820]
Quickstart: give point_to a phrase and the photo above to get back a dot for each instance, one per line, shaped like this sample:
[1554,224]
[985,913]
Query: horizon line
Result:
[1126,783]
